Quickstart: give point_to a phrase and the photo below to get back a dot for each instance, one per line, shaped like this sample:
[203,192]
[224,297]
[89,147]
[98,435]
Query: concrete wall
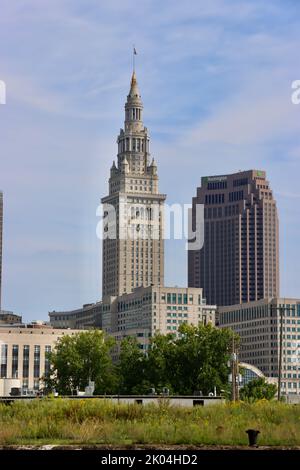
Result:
[187,401]
[174,401]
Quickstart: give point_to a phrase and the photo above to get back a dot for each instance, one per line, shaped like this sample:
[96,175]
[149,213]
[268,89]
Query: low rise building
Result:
[23,353]
[141,313]
[9,318]
[259,324]
[155,309]
[89,316]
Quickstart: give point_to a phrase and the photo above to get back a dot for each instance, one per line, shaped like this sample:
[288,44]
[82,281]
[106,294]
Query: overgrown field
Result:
[63,421]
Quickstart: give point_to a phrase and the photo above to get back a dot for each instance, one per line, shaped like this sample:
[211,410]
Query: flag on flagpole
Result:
[134,51]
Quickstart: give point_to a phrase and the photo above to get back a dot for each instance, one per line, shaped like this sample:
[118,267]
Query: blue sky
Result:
[215,79]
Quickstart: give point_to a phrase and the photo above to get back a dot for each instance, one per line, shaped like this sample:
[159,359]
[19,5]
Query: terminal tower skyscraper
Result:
[133,242]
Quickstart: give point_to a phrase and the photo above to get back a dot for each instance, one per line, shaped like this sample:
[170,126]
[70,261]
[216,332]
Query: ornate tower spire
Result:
[134,107]
[134,89]
[133,140]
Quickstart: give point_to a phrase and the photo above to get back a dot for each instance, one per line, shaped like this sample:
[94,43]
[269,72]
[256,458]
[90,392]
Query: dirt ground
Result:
[145,447]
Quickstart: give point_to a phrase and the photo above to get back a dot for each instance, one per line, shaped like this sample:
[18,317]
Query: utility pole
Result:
[232,379]
[237,379]
[280,353]
[234,374]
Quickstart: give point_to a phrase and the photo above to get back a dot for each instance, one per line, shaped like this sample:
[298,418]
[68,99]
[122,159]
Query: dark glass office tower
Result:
[239,261]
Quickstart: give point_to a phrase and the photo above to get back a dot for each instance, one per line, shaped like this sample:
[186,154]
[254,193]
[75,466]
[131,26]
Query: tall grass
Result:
[102,422]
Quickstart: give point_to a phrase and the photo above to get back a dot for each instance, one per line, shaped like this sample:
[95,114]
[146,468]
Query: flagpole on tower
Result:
[134,53]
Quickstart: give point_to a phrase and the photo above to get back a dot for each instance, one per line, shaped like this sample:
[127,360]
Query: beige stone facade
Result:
[142,313]
[258,324]
[133,245]
[89,316]
[23,352]
[150,310]
[239,261]
[9,318]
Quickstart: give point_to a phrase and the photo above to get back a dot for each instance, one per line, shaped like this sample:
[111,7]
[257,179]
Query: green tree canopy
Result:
[80,358]
[258,389]
[197,360]
[131,368]
[202,359]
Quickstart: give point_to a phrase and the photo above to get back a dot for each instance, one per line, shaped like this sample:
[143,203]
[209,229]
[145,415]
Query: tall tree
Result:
[200,363]
[197,360]
[80,358]
[132,368]
[161,361]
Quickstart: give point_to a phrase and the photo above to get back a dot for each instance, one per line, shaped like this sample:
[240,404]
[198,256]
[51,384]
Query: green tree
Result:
[200,362]
[257,389]
[160,362]
[197,360]
[132,368]
[80,358]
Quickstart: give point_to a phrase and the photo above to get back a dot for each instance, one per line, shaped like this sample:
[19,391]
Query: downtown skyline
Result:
[217,100]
